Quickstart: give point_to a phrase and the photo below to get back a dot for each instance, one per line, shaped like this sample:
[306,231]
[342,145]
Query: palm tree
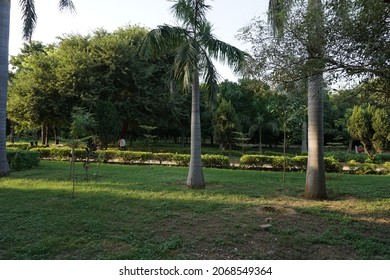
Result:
[29,23]
[315,173]
[193,47]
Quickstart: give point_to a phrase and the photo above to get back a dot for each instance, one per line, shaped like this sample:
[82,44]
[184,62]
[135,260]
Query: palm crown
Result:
[192,44]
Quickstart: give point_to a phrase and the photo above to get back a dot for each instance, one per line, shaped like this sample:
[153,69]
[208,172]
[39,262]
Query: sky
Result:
[227,17]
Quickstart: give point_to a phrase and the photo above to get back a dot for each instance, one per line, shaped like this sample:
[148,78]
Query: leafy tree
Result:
[193,47]
[381,126]
[226,124]
[371,126]
[107,123]
[34,99]
[313,37]
[29,20]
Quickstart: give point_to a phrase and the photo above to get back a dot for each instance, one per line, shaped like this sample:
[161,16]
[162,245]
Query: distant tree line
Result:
[125,93]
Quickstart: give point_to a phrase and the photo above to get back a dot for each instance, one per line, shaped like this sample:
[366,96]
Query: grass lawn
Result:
[146,212]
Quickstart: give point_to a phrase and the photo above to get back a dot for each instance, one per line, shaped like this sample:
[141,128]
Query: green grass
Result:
[146,212]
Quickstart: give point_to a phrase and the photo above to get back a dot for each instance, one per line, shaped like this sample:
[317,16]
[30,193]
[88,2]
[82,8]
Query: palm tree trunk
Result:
[315,187]
[315,173]
[195,179]
[5,8]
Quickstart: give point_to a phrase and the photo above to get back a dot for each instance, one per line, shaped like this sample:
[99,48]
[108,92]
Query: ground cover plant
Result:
[147,212]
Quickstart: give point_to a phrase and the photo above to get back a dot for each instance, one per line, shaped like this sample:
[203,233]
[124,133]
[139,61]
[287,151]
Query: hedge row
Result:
[131,157]
[361,158]
[257,162]
[296,163]
[355,167]
[22,159]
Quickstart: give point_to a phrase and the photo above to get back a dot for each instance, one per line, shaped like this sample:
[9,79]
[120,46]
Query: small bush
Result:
[299,162]
[22,159]
[276,162]
[60,153]
[386,167]
[21,146]
[255,161]
[160,157]
[181,159]
[106,155]
[383,158]
[361,168]
[215,161]
[332,165]
[43,152]
[134,157]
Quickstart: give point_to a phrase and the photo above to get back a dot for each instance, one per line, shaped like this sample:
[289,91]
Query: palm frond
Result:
[226,53]
[29,17]
[190,12]
[67,4]
[185,62]
[161,41]
[210,76]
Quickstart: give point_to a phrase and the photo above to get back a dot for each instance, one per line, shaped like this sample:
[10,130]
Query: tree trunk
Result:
[45,135]
[56,139]
[5,8]
[304,138]
[260,141]
[315,187]
[315,173]
[125,126]
[195,179]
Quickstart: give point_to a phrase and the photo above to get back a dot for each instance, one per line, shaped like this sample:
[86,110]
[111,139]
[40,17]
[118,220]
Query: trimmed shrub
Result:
[22,159]
[43,152]
[181,159]
[276,162]
[134,157]
[332,165]
[21,146]
[361,168]
[299,162]
[215,161]
[60,153]
[106,155]
[255,161]
[160,157]
[386,167]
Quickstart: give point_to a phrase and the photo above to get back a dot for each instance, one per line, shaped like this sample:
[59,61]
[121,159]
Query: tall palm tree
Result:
[315,173]
[29,22]
[193,47]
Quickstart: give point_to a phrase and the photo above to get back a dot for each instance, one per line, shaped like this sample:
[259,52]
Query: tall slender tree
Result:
[315,187]
[29,18]
[193,46]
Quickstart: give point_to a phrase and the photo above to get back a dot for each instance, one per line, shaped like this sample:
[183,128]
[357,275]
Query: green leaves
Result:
[192,45]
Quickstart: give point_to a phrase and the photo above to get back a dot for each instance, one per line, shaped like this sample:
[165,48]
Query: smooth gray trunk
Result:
[315,173]
[315,187]
[5,8]
[195,179]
